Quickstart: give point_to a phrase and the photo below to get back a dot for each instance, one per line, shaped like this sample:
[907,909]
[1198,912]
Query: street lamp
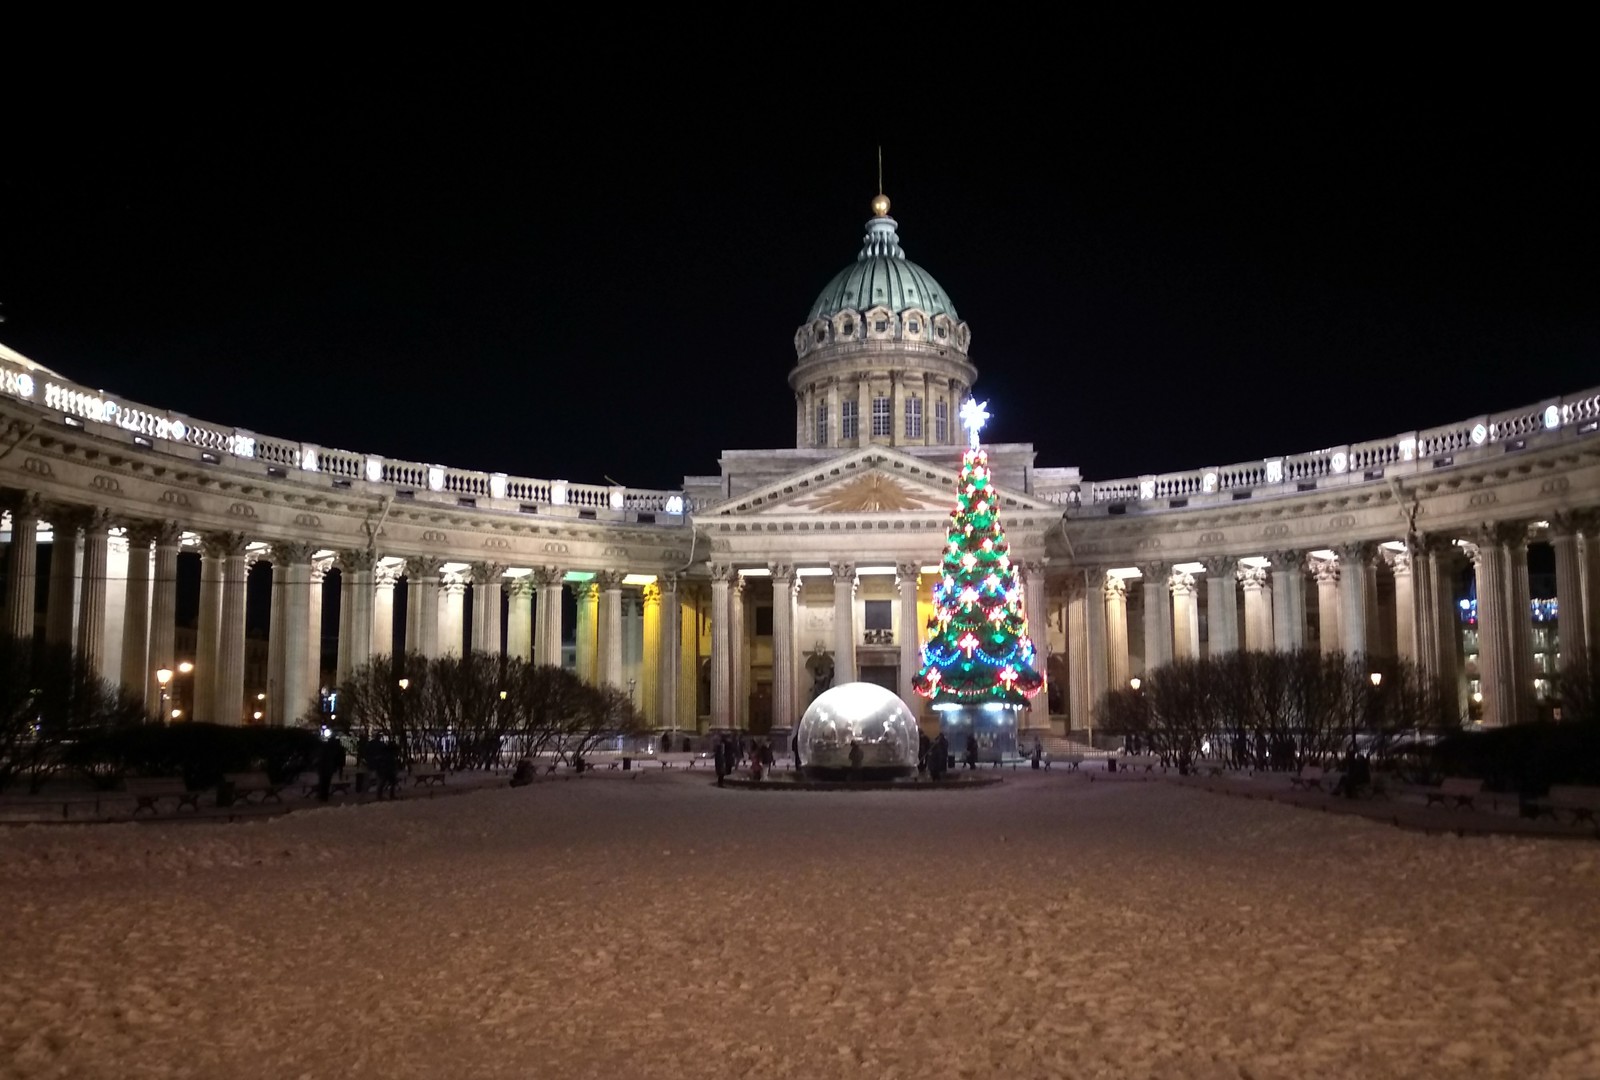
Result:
[1377,678]
[405,684]
[1133,683]
[163,677]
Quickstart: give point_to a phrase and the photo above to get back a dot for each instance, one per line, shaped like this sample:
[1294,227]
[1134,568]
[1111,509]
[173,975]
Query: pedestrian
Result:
[924,746]
[767,758]
[972,751]
[1038,751]
[330,760]
[719,758]
[794,745]
[855,758]
[386,763]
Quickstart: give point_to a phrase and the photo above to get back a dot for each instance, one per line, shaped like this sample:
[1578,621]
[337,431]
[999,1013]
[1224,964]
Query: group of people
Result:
[729,754]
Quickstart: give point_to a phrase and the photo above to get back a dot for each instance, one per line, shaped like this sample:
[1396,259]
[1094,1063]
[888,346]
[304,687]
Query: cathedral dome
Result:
[882,276]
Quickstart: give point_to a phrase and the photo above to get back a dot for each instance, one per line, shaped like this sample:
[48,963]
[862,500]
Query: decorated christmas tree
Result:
[977,650]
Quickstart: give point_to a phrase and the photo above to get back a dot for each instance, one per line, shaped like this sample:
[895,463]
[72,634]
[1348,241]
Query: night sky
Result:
[447,257]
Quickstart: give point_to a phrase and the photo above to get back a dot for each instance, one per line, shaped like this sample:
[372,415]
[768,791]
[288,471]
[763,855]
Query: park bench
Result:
[1309,777]
[1071,761]
[246,784]
[147,793]
[1455,788]
[336,786]
[1147,762]
[426,774]
[1579,800]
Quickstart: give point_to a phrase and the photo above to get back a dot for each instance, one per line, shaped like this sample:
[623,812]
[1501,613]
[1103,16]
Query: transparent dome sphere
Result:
[864,714]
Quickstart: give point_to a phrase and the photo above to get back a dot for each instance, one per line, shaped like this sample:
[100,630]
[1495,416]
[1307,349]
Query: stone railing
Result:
[234,448]
[1548,423]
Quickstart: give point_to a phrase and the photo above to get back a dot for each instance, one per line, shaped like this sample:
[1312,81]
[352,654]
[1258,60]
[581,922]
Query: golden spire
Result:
[880,205]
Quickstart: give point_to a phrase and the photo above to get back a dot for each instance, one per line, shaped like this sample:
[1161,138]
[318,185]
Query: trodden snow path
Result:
[662,928]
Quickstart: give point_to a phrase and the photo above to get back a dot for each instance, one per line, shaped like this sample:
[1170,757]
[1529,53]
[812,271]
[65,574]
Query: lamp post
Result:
[163,677]
[1376,678]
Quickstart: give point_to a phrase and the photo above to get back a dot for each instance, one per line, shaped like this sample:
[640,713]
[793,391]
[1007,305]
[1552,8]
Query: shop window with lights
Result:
[881,417]
[847,420]
[941,421]
[913,418]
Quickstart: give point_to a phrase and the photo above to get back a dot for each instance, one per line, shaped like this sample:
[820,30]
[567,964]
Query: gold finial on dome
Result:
[880,204]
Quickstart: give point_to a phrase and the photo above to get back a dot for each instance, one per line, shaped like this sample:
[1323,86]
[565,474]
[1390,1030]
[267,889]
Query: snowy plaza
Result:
[619,927]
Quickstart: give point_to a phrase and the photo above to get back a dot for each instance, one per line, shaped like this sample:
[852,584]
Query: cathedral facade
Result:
[730,602]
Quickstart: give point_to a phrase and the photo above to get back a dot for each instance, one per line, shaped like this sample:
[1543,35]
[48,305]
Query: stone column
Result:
[312,661]
[905,583]
[1095,617]
[1035,607]
[22,569]
[1408,628]
[610,583]
[1442,556]
[92,594]
[486,607]
[783,585]
[452,611]
[1285,569]
[422,606]
[288,643]
[1496,671]
[61,599]
[1257,608]
[163,608]
[670,657]
[116,606]
[1519,619]
[1353,597]
[1222,604]
[519,617]
[208,628]
[385,576]
[1591,578]
[547,632]
[136,666]
[588,630]
[228,702]
[1079,598]
[355,597]
[1115,591]
[844,622]
[1569,590]
[649,700]
[835,423]
[1157,615]
[1296,607]
[721,645]
[1185,616]
[1326,571]
[739,651]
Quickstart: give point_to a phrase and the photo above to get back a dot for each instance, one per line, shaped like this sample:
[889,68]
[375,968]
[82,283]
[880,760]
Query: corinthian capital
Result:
[1115,587]
[609,580]
[843,572]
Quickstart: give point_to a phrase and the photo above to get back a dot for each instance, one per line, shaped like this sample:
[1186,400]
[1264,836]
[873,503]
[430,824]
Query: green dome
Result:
[882,276]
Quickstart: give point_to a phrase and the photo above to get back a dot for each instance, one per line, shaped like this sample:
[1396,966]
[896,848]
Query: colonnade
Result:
[113,587]
[1419,625]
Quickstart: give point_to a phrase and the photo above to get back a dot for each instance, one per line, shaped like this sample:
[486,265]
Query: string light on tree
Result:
[977,650]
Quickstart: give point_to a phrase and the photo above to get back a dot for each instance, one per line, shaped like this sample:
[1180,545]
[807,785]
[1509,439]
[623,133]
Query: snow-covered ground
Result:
[622,928]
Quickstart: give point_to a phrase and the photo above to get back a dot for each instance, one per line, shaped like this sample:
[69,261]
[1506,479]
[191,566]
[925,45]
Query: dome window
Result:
[822,335]
[914,327]
[942,332]
[880,327]
[849,327]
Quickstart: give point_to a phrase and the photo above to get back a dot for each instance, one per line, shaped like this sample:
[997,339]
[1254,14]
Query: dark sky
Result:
[445,256]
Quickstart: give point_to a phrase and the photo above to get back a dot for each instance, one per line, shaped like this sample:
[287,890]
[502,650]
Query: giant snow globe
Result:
[858,715]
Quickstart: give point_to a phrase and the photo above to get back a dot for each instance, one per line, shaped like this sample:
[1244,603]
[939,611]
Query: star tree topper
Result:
[974,414]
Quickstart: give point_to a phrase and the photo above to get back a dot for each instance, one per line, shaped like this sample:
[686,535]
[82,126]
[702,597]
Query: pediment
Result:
[874,480]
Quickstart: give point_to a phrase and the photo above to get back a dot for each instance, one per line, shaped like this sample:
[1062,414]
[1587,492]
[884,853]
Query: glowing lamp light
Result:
[185,668]
[674,504]
[969,643]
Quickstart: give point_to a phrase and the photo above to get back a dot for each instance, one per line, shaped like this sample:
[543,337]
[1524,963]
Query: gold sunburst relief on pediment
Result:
[874,493]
